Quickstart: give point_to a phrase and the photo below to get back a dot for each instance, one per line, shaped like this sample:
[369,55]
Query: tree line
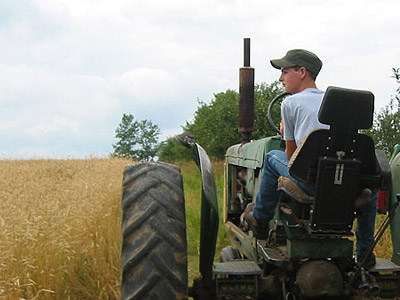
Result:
[215,127]
[386,128]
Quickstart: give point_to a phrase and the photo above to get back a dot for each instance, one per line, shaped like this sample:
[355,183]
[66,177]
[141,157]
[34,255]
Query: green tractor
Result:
[309,253]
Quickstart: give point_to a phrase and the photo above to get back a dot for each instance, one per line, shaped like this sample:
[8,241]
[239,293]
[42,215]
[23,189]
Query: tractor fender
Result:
[395,223]
[209,207]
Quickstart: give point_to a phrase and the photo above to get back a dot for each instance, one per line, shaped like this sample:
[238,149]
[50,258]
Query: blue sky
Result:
[69,69]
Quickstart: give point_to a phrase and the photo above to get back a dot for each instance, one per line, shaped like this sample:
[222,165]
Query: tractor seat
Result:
[339,162]
[292,189]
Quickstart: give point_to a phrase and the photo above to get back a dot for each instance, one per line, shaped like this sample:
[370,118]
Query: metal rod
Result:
[381,230]
[246,96]
[246,52]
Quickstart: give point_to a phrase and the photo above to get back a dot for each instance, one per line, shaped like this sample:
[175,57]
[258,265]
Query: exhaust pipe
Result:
[368,284]
[246,96]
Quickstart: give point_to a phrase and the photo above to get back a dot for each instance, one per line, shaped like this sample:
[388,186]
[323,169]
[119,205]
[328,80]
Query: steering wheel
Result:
[275,100]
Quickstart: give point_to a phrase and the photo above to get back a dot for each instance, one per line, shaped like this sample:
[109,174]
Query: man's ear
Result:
[303,72]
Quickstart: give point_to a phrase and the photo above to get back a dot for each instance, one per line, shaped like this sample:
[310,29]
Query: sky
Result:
[69,69]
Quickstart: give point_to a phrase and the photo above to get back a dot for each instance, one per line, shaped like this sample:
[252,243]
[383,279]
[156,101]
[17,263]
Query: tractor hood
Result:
[251,155]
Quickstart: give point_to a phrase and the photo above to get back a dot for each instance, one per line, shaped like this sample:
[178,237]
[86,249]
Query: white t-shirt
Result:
[299,113]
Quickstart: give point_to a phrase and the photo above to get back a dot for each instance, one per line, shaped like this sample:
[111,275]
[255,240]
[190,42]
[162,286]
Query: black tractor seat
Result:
[339,162]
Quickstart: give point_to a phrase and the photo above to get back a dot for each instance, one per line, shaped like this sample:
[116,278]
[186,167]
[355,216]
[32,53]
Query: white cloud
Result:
[153,85]
[53,124]
[69,69]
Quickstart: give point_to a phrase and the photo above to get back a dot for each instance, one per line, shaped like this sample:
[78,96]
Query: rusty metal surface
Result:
[319,278]
[241,241]
[246,96]
[276,256]
[246,101]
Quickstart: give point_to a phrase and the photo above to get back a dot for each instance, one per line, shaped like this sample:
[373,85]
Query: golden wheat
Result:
[59,229]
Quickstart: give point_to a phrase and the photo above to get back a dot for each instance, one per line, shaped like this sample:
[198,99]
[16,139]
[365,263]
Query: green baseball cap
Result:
[299,58]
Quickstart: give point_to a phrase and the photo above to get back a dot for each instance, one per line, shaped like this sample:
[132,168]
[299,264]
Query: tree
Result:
[171,150]
[263,95]
[137,139]
[215,125]
[386,128]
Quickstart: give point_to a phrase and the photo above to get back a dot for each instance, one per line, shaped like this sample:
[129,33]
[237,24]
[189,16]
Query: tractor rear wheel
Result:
[154,248]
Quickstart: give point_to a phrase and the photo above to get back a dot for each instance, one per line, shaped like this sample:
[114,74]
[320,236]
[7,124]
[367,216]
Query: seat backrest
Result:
[339,161]
[346,108]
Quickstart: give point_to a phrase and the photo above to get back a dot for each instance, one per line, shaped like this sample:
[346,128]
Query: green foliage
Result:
[386,127]
[171,150]
[263,95]
[215,125]
[136,139]
[396,75]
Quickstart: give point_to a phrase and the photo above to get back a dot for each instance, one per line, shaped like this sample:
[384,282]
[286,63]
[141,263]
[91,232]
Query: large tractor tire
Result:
[154,248]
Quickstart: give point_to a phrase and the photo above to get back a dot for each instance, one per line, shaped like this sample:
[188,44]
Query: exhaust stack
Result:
[246,96]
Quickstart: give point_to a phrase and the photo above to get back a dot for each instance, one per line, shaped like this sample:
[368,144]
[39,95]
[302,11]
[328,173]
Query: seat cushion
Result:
[294,190]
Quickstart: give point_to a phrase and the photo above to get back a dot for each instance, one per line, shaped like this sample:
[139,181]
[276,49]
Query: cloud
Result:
[69,69]
[40,103]
[53,124]
[155,85]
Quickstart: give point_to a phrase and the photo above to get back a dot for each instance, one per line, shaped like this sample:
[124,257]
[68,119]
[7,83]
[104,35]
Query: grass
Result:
[60,227]
[192,188]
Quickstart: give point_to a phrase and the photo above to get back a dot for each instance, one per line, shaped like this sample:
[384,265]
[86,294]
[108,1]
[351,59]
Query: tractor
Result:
[309,252]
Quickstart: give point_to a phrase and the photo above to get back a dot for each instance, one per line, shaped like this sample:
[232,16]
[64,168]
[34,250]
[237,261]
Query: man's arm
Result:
[290,148]
[290,145]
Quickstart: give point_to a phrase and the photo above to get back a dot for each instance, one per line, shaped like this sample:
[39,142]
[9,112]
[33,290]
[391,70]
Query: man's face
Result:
[291,79]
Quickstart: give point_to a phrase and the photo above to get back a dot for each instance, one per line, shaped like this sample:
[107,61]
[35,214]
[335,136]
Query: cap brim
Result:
[281,63]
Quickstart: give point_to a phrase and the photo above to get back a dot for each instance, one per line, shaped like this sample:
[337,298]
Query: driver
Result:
[299,112]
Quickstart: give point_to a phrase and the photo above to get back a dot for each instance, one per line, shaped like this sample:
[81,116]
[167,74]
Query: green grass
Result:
[192,189]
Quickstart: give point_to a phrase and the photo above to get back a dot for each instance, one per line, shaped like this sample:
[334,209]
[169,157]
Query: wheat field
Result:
[60,227]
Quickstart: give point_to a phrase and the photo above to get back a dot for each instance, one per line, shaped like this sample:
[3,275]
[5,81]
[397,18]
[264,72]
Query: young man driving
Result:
[299,112]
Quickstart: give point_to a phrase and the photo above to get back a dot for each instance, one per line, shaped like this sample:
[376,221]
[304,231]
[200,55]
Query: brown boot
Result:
[363,199]
[259,229]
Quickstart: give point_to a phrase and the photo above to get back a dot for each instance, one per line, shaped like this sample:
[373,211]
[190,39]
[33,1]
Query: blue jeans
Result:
[366,224]
[275,165]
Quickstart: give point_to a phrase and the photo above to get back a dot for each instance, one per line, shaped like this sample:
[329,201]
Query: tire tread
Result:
[153,233]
